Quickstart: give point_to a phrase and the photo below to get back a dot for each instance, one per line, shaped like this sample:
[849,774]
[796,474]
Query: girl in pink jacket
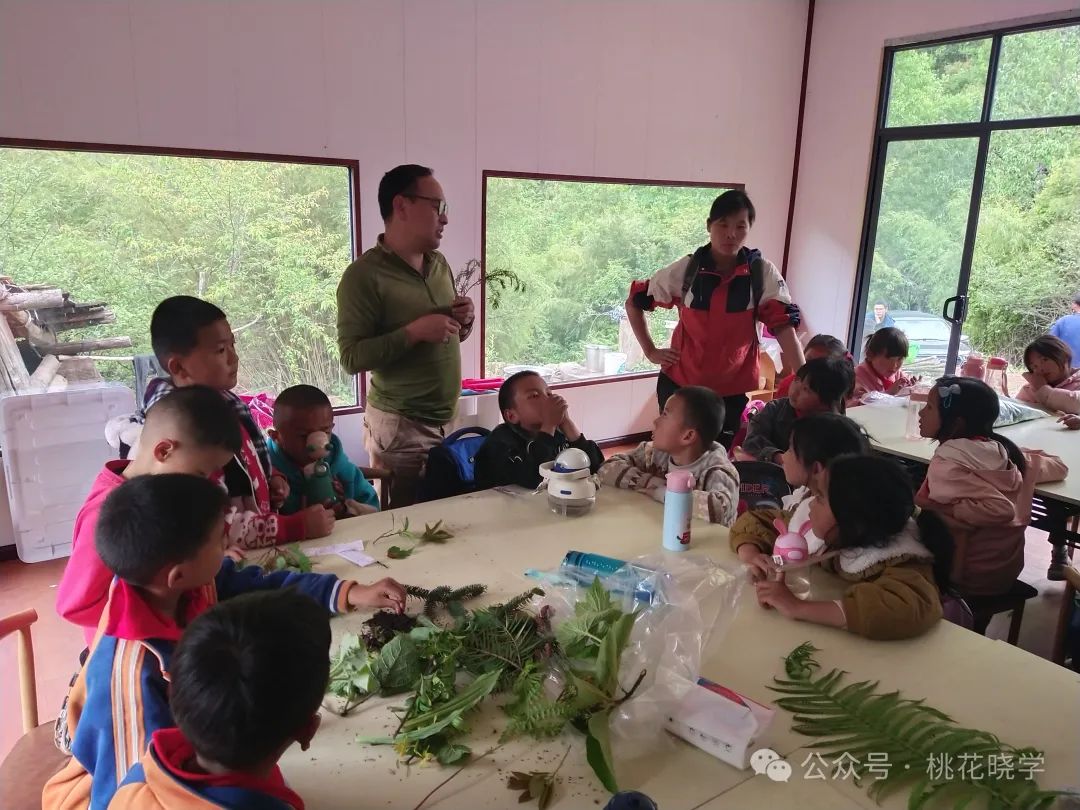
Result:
[1052,382]
[883,357]
[980,483]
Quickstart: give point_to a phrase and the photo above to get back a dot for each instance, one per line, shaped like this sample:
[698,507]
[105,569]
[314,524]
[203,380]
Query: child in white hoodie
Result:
[980,483]
[1052,382]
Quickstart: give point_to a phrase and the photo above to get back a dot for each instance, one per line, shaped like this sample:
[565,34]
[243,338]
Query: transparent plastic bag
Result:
[683,602]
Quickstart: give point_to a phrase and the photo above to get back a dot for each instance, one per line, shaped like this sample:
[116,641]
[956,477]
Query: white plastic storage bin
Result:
[54,446]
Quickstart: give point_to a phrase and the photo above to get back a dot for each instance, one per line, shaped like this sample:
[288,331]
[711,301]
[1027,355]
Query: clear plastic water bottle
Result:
[678,509]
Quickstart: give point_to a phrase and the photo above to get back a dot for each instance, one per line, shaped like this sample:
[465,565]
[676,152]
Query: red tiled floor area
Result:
[57,644]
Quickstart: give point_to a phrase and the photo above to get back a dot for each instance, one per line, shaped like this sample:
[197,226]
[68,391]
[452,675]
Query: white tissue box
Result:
[719,721]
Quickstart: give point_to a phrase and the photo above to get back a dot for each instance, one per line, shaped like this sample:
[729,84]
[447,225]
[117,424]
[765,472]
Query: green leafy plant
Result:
[496,281]
[433,533]
[501,648]
[351,678]
[539,785]
[591,645]
[444,596]
[282,558]
[855,719]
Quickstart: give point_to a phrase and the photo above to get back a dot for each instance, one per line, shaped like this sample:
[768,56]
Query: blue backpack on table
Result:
[451,464]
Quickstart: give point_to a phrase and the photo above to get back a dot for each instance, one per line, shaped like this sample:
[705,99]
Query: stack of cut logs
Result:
[32,359]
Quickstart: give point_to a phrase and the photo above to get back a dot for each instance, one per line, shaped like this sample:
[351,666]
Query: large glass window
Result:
[574,247]
[974,213]
[265,240]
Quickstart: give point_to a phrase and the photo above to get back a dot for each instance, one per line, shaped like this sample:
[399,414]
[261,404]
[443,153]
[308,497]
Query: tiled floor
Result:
[57,644]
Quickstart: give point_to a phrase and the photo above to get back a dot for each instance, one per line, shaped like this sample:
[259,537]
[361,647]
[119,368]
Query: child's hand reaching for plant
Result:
[386,593]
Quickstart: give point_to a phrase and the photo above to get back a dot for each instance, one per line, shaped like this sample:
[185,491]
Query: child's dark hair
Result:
[821,437]
[153,521]
[506,390]
[400,180]
[969,408]
[703,411]
[732,202]
[202,415]
[1051,348]
[888,341]
[872,500]
[175,325]
[248,674]
[831,378]
[302,398]
[827,343]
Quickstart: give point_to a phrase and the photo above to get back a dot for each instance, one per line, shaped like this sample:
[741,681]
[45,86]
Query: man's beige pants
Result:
[400,444]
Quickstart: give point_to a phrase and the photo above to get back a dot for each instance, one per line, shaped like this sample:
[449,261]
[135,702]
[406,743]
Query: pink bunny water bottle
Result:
[790,546]
[678,509]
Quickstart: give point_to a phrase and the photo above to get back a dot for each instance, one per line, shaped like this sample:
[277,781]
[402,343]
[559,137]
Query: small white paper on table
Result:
[350,552]
[356,557]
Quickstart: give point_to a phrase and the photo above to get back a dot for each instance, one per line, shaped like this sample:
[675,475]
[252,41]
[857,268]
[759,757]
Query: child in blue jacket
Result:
[300,413]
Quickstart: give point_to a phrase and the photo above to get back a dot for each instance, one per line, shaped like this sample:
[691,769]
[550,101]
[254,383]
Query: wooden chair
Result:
[766,378]
[35,757]
[386,481]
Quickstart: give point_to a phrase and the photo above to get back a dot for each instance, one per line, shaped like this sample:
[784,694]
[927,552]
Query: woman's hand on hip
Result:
[663,357]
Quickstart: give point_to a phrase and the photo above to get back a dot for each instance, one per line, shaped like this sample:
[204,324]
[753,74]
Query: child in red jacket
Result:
[194,344]
[191,430]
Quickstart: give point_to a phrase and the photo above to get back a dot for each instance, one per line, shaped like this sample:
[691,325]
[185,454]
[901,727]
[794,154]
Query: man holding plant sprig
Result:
[400,318]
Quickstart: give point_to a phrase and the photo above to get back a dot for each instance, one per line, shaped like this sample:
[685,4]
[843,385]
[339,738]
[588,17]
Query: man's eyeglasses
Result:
[441,206]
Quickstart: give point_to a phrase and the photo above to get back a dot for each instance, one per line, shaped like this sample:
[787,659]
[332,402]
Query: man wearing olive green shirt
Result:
[400,318]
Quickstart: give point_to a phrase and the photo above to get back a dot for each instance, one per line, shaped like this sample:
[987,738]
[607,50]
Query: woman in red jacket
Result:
[722,292]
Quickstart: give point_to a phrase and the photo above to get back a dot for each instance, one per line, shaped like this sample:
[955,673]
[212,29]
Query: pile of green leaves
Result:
[503,648]
[433,533]
[590,646]
[856,720]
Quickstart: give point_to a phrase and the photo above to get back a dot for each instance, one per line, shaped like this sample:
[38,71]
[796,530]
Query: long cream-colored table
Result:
[886,427]
[980,683]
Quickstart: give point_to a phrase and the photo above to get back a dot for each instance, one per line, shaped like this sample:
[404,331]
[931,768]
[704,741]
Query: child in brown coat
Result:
[896,558]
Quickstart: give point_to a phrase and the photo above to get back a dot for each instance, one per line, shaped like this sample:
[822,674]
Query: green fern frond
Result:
[517,603]
[856,720]
[466,593]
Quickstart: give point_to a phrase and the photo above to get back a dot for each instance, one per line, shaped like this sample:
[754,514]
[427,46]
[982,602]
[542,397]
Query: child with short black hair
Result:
[817,347]
[980,483]
[683,439]
[227,677]
[190,430]
[883,357]
[194,344]
[815,441]
[536,429]
[820,387]
[164,536]
[299,412]
[1051,380]
[897,557]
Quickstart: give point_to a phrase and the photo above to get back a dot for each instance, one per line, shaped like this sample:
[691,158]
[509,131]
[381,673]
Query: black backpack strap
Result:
[692,267]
